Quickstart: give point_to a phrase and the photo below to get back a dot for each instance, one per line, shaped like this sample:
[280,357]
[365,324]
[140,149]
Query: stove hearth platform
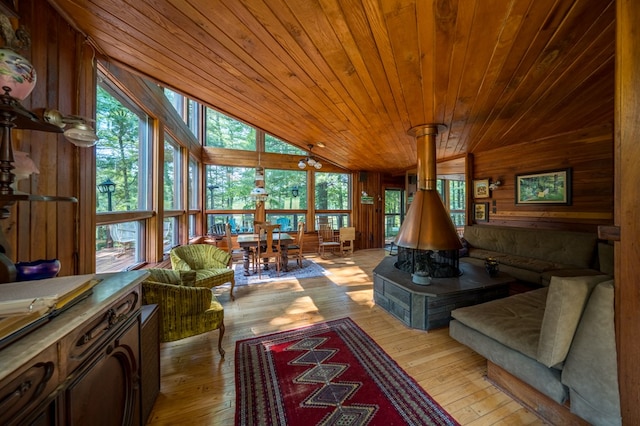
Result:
[426,307]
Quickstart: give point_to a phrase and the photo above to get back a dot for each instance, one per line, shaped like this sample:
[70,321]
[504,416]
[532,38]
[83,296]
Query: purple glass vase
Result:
[37,270]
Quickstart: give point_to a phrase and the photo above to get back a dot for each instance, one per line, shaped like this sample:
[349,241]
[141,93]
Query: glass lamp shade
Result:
[259,194]
[17,74]
[107,187]
[317,165]
[311,161]
[81,135]
[301,164]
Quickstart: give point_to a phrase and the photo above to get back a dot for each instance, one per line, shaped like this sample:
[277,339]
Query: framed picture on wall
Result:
[481,212]
[481,188]
[549,187]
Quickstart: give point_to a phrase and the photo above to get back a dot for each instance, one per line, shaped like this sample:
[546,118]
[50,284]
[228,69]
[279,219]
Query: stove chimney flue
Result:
[427,225]
[426,141]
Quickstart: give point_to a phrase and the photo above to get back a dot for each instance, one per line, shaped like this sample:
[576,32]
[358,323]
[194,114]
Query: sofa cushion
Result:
[562,247]
[513,321]
[522,262]
[527,369]
[566,300]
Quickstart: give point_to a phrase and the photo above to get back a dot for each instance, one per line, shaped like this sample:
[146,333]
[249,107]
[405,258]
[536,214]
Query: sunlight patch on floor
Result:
[362,297]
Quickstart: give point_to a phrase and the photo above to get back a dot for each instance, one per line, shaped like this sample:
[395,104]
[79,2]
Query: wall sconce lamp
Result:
[309,161]
[295,191]
[495,185]
[77,131]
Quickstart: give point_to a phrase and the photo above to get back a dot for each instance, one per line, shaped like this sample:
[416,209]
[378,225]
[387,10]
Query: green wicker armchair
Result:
[185,310]
[212,265]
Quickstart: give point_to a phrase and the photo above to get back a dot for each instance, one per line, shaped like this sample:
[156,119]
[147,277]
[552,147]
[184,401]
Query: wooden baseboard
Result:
[544,407]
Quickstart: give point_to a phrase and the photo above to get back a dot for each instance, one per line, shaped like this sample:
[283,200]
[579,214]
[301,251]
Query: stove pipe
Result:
[427,225]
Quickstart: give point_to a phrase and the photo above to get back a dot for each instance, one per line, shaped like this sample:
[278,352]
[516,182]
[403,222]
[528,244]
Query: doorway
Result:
[393,213]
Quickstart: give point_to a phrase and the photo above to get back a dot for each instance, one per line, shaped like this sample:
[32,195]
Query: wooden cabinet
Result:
[82,367]
[29,387]
[149,358]
[113,371]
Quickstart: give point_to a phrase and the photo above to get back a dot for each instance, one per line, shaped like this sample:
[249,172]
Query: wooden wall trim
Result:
[627,215]
[606,216]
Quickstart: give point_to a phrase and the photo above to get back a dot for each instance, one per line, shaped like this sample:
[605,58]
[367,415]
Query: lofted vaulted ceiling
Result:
[358,74]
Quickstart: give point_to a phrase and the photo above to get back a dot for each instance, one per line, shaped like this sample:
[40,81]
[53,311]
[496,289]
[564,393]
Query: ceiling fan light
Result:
[318,166]
[311,161]
[301,164]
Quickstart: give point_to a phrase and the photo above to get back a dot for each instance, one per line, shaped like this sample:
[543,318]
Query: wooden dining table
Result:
[247,241]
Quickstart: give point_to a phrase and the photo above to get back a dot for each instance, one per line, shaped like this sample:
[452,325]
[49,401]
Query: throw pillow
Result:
[188,278]
[566,300]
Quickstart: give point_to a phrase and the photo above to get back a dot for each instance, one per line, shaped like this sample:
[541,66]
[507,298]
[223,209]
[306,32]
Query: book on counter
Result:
[26,305]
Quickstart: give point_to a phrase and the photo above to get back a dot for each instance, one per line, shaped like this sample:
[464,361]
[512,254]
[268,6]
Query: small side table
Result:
[149,358]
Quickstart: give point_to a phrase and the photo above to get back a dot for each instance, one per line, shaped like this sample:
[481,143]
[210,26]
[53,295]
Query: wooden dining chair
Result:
[267,250]
[326,239]
[237,255]
[294,250]
[347,239]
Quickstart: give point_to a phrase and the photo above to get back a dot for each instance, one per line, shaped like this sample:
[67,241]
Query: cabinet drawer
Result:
[107,386]
[24,389]
[94,333]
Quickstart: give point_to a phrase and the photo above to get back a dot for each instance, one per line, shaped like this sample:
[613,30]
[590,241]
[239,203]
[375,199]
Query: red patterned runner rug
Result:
[331,373]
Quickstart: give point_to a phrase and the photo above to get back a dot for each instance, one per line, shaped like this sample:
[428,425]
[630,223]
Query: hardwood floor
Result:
[198,387]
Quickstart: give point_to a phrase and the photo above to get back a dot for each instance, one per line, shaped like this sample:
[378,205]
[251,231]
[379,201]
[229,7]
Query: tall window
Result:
[287,202]
[122,152]
[172,174]
[193,196]
[453,197]
[169,233]
[187,109]
[393,209]
[228,197]
[332,197]
[193,116]
[123,174]
[278,146]
[225,132]
[457,201]
[172,190]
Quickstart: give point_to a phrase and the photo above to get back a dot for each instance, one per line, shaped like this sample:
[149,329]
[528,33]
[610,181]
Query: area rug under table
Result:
[331,373]
[309,269]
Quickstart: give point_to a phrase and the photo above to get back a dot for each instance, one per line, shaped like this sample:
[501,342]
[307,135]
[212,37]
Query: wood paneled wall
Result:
[46,230]
[589,153]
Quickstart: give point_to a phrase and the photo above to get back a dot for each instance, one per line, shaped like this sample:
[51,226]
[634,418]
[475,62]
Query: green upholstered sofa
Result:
[185,309]
[211,264]
[559,339]
[535,255]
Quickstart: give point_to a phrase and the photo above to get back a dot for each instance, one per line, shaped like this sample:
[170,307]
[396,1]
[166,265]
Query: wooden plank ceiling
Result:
[357,74]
